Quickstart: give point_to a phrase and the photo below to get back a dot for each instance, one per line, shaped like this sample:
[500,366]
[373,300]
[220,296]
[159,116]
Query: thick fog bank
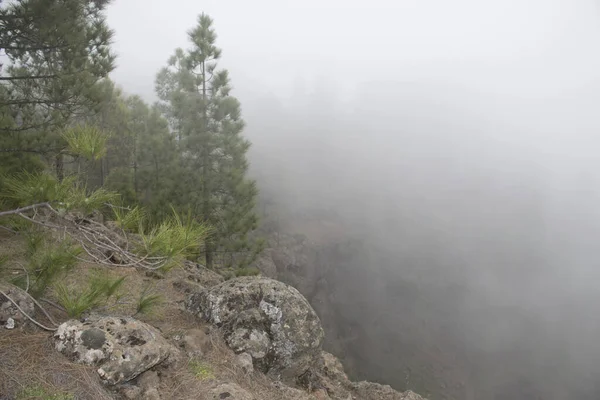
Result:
[493,194]
[458,140]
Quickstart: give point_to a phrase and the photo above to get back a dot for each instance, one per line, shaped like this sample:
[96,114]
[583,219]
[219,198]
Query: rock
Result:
[266,318]
[287,392]
[230,391]
[187,286]
[196,342]
[202,275]
[320,394]
[9,312]
[333,368]
[254,342]
[376,391]
[244,360]
[265,264]
[123,348]
[130,392]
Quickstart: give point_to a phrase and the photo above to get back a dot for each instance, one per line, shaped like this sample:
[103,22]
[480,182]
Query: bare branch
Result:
[25,314]
[23,209]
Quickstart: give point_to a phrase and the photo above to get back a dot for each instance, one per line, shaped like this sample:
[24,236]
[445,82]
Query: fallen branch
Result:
[53,304]
[23,209]
[25,314]
[6,228]
[99,246]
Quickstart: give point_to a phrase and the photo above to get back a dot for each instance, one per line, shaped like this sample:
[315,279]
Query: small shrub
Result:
[49,261]
[227,274]
[247,271]
[100,289]
[174,239]
[27,188]
[87,141]
[201,370]
[39,393]
[147,301]
[129,219]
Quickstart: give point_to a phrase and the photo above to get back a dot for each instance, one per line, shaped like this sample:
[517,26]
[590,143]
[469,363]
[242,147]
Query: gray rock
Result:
[230,391]
[123,348]
[254,342]
[265,264]
[376,391]
[266,318]
[202,275]
[244,360]
[186,286]
[8,311]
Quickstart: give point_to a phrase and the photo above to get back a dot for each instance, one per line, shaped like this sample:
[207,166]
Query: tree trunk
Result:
[60,167]
[206,211]
[102,164]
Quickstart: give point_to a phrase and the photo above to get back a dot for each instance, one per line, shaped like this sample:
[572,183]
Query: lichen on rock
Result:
[122,348]
[10,316]
[265,318]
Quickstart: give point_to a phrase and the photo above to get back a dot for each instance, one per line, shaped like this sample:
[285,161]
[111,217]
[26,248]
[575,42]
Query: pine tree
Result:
[142,158]
[57,52]
[196,97]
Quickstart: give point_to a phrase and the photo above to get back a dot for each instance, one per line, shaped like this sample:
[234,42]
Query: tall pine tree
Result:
[57,52]
[196,96]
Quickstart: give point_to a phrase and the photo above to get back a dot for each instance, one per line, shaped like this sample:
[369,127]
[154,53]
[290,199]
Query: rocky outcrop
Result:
[267,319]
[201,275]
[375,391]
[122,348]
[10,316]
[230,391]
[334,381]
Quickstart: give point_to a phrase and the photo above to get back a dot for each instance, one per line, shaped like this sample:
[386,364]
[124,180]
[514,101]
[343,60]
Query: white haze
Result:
[464,133]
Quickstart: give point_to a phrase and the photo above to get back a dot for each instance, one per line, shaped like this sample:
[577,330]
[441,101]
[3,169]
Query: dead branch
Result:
[25,314]
[102,245]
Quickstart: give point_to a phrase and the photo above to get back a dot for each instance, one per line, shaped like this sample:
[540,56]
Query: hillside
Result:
[170,352]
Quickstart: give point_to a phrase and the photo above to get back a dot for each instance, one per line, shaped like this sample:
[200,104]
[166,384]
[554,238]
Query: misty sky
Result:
[537,47]
[477,119]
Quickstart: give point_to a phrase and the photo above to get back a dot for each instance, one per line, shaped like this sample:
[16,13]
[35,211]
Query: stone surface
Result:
[333,368]
[376,391]
[230,391]
[265,318]
[202,275]
[185,285]
[265,264]
[122,348]
[9,312]
[244,360]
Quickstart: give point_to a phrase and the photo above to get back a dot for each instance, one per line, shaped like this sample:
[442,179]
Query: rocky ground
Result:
[247,338]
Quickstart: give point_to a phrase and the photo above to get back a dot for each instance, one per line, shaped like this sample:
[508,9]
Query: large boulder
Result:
[265,318]
[122,347]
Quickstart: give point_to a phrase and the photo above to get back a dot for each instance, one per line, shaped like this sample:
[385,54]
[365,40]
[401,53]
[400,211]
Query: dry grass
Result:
[194,378]
[29,361]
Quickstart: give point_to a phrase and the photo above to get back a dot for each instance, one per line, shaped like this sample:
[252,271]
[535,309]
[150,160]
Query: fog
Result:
[457,139]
